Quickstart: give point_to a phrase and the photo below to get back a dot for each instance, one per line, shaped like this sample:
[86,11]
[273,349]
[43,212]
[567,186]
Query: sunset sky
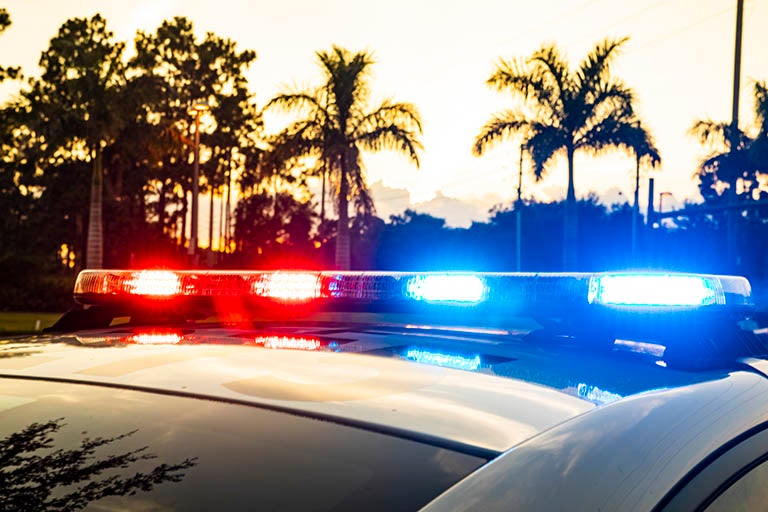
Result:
[438,54]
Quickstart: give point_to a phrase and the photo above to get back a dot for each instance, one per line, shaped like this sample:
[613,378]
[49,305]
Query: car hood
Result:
[474,408]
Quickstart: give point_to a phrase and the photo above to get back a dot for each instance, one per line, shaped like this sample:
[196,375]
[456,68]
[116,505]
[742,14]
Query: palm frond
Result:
[711,133]
[404,115]
[363,200]
[609,97]
[530,83]
[391,137]
[761,108]
[289,102]
[619,130]
[501,126]
[543,144]
[549,59]
[346,80]
[299,140]
[596,65]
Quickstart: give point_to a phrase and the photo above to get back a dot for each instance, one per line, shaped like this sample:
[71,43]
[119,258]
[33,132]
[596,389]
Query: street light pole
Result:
[518,214]
[195,110]
[661,202]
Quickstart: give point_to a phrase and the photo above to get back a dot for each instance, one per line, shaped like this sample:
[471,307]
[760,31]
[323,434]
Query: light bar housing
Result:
[383,291]
[695,316]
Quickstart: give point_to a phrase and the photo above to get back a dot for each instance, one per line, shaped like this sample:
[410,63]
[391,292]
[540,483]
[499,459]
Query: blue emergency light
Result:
[656,290]
[458,288]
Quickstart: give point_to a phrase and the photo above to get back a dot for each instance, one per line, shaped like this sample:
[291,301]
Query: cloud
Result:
[389,201]
[458,212]
[613,196]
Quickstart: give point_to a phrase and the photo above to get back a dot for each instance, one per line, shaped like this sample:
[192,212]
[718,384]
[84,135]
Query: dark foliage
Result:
[35,474]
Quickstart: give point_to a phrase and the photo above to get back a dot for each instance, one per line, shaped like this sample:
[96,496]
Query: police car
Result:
[212,390]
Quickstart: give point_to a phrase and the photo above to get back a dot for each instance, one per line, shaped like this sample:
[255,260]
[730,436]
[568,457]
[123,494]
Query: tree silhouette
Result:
[78,99]
[191,70]
[737,156]
[564,111]
[5,22]
[274,232]
[337,126]
[34,475]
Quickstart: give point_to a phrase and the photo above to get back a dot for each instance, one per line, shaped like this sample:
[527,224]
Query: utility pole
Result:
[731,238]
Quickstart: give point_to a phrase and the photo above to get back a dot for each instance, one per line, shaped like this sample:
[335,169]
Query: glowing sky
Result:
[437,54]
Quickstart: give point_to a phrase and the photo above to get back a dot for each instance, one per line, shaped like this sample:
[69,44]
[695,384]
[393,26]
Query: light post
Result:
[518,214]
[195,110]
[661,203]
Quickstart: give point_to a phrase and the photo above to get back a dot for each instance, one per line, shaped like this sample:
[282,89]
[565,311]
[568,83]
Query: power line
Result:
[634,15]
[667,35]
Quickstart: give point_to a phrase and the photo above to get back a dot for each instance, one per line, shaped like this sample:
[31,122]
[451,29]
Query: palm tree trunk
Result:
[161,206]
[184,209]
[342,230]
[571,224]
[220,237]
[322,196]
[95,243]
[210,222]
[228,214]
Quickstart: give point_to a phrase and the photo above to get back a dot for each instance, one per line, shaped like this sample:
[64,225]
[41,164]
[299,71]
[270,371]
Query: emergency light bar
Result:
[372,291]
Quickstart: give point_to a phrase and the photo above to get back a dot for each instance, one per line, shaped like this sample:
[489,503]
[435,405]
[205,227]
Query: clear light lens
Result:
[446,288]
[441,359]
[289,286]
[154,282]
[654,290]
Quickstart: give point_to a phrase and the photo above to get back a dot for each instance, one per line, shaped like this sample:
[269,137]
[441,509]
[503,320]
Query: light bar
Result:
[561,294]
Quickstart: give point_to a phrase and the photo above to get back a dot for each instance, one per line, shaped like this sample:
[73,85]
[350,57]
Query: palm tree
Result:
[336,127]
[563,110]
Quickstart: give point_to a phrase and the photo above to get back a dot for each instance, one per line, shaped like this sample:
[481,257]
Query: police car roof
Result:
[477,393]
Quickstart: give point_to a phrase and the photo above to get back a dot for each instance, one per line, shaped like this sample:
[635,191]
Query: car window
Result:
[749,493]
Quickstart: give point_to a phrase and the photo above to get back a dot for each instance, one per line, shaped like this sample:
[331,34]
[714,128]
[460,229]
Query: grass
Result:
[26,323]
